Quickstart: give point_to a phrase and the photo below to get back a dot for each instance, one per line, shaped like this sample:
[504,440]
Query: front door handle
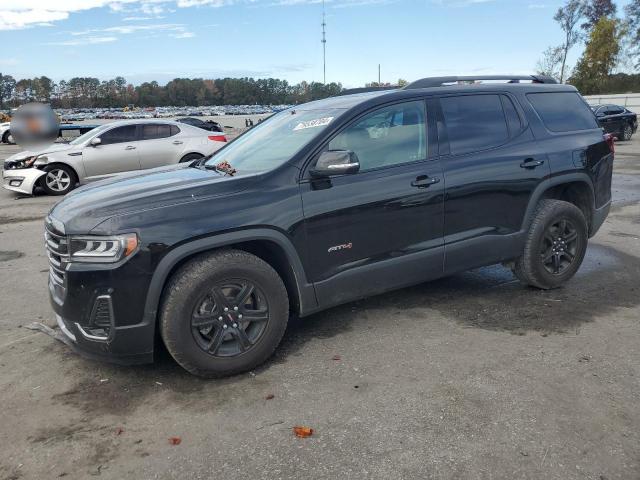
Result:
[177,142]
[531,163]
[424,181]
[130,147]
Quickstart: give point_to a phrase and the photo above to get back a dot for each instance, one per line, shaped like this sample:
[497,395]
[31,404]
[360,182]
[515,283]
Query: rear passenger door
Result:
[159,145]
[492,165]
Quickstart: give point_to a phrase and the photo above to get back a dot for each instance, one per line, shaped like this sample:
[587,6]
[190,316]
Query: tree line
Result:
[86,92]
[611,52]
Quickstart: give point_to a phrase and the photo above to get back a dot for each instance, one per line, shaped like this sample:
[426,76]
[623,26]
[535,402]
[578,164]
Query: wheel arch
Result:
[574,188]
[58,162]
[190,153]
[269,245]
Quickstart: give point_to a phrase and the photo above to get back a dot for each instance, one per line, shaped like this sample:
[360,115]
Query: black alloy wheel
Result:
[230,319]
[559,246]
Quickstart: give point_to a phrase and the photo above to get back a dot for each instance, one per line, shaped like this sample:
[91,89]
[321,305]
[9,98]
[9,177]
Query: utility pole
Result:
[379,75]
[324,47]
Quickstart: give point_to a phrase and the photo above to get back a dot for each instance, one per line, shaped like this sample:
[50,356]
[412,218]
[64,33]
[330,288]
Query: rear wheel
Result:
[555,246]
[59,180]
[223,313]
[627,132]
[190,157]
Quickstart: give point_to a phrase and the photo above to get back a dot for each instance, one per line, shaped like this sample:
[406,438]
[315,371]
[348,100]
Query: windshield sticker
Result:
[320,122]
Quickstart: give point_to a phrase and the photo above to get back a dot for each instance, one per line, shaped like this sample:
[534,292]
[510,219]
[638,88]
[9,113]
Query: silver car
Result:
[107,150]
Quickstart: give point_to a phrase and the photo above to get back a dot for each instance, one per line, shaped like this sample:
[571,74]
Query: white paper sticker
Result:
[320,122]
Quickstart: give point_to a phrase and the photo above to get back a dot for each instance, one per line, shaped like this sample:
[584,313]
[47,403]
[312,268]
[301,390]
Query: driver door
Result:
[380,228]
[117,152]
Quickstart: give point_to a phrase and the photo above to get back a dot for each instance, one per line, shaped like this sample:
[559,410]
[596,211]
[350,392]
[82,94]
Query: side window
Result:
[513,119]
[123,134]
[154,131]
[615,110]
[174,130]
[563,111]
[388,136]
[474,122]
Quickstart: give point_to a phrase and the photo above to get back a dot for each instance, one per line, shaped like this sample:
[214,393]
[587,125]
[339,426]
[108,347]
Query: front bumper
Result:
[21,180]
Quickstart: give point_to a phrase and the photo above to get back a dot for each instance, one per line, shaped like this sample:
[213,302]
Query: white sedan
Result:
[5,133]
[107,150]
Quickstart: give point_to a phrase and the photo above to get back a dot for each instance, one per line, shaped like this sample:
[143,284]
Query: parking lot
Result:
[472,376]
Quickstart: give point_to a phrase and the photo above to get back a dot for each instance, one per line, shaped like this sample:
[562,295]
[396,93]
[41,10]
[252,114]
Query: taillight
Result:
[610,139]
[217,138]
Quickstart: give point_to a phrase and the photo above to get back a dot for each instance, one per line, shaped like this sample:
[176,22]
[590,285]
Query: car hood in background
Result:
[85,208]
[55,147]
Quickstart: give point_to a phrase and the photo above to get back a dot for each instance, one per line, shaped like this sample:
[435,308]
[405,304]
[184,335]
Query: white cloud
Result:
[182,35]
[85,41]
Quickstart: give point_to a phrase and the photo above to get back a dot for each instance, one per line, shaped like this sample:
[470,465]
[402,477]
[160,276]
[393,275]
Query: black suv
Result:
[619,121]
[325,203]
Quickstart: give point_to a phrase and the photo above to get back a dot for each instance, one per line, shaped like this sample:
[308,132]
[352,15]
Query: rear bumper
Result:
[598,218]
[21,180]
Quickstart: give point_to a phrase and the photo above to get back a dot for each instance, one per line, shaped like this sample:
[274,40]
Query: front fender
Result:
[27,178]
[305,290]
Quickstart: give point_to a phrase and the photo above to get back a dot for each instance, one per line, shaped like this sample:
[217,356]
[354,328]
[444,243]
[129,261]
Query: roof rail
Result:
[350,91]
[442,81]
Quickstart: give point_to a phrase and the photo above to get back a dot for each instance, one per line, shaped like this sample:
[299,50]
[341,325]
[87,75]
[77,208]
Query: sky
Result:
[144,40]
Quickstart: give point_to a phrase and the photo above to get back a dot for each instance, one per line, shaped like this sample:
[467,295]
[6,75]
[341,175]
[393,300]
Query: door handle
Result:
[177,142]
[531,163]
[130,147]
[424,181]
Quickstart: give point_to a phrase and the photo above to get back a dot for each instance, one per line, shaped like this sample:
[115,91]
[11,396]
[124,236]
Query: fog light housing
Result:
[16,182]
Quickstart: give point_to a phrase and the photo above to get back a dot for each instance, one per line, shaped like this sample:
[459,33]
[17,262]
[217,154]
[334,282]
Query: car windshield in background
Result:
[86,136]
[276,140]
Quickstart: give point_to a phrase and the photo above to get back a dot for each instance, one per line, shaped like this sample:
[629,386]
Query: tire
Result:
[200,290]
[7,138]
[190,157]
[545,264]
[627,132]
[59,179]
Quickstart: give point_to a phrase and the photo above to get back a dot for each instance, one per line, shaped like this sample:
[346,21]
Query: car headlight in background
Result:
[99,249]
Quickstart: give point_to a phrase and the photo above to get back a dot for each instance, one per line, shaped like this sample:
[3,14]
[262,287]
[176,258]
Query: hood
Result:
[54,147]
[85,208]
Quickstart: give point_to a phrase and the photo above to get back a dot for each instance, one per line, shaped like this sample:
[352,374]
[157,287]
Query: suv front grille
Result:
[58,253]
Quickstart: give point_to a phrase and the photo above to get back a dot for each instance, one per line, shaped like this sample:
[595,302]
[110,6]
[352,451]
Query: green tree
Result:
[7,89]
[599,58]
[594,10]
[568,17]
[632,11]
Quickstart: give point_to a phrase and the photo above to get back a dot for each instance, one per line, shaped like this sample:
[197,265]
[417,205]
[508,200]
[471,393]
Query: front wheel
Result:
[627,132]
[223,313]
[555,246]
[190,157]
[59,180]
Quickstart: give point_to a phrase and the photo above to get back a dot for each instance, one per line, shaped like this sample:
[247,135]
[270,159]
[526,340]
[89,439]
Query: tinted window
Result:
[474,122]
[389,136]
[153,131]
[513,119]
[563,111]
[174,130]
[119,135]
[615,110]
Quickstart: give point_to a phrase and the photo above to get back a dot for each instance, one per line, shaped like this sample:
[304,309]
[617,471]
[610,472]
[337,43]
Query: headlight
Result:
[97,249]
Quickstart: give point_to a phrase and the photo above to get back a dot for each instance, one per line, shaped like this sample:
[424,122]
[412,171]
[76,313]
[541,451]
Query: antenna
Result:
[324,47]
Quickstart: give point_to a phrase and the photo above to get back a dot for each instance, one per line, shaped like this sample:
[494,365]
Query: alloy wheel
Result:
[559,246]
[230,319]
[626,134]
[58,180]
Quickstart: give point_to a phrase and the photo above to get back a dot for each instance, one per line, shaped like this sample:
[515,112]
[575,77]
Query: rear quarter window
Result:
[563,111]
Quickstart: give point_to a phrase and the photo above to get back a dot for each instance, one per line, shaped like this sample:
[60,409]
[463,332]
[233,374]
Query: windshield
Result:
[86,136]
[274,141]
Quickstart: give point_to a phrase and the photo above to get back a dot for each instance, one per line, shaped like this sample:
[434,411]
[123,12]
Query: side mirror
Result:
[335,162]
[95,142]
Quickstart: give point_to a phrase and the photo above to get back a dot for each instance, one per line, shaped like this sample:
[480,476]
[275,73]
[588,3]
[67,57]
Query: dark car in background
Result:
[209,125]
[616,120]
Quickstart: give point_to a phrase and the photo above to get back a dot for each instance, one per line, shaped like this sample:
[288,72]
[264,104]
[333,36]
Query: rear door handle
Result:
[130,147]
[177,142]
[531,163]
[424,181]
